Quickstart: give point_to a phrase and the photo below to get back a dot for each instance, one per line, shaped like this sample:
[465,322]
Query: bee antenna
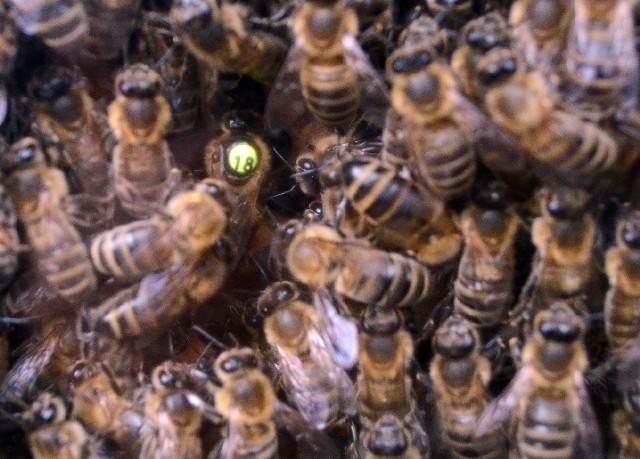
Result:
[209,337]
[19,320]
[236,342]
[282,158]
[283,193]
[259,266]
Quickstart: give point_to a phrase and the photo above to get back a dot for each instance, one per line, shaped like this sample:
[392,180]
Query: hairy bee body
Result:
[484,285]
[8,239]
[104,41]
[60,23]
[389,437]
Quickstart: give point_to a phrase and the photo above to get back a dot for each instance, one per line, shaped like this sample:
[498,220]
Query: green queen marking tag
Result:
[242,159]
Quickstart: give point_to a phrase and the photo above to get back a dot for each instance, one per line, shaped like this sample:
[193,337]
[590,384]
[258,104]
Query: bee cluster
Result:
[320,228]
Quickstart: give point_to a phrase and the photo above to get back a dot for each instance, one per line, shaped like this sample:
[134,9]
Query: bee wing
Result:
[590,442]
[374,95]
[309,441]
[497,148]
[322,357]
[501,410]
[286,109]
[339,334]
[4,101]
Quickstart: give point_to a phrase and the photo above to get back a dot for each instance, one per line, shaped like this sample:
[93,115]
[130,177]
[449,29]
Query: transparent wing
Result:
[590,441]
[339,334]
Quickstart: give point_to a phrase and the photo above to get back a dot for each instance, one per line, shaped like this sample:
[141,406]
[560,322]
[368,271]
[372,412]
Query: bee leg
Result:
[628,122]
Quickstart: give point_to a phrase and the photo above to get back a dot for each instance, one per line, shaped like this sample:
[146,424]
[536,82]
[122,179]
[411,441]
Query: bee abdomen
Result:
[547,430]
[69,271]
[459,434]
[622,318]
[106,41]
[331,92]
[451,171]
[59,23]
[129,250]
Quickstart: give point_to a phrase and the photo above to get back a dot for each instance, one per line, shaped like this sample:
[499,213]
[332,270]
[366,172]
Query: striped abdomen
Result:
[61,256]
[484,286]
[331,92]
[622,317]
[104,40]
[445,159]
[378,191]
[132,250]
[383,279]
[58,23]
[547,429]
[142,175]
[578,152]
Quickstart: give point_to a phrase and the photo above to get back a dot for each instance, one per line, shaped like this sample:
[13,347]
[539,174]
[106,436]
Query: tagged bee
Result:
[384,385]
[484,284]
[319,388]
[142,162]
[540,29]
[193,221]
[546,409]
[65,117]
[37,192]
[600,71]
[320,258]
[622,303]
[326,75]
[216,33]
[460,376]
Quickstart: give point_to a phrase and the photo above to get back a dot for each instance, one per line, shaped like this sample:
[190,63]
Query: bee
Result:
[61,24]
[484,285]
[600,71]
[540,29]
[406,216]
[443,155]
[625,419]
[319,257]
[105,42]
[8,52]
[216,33]
[563,148]
[9,241]
[193,221]
[148,308]
[564,239]
[326,76]
[142,161]
[319,388]
[247,403]
[241,158]
[56,246]
[387,438]
[67,120]
[383,385]
[460,376]
[622,309]
[546,409]
[479,36]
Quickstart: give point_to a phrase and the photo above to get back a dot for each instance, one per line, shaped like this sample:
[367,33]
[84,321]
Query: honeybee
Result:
[383,383]
[56,246]
[148,308]
[387,438]
[216,33]
[600,71]
[622,306]
[479,36]
[625,420]
[9,241]
[326,75]
[8,52]
[484,285]
[53,435]
[319,257]
[406,216]
[247,403]
[142,161]
[450,14]
[546,410]
[564,239]
[61,24]
[192,223]
[104,41]
[319,388]
[66,118]
[564,148]
[460,376]
[241,158]
[540,29]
